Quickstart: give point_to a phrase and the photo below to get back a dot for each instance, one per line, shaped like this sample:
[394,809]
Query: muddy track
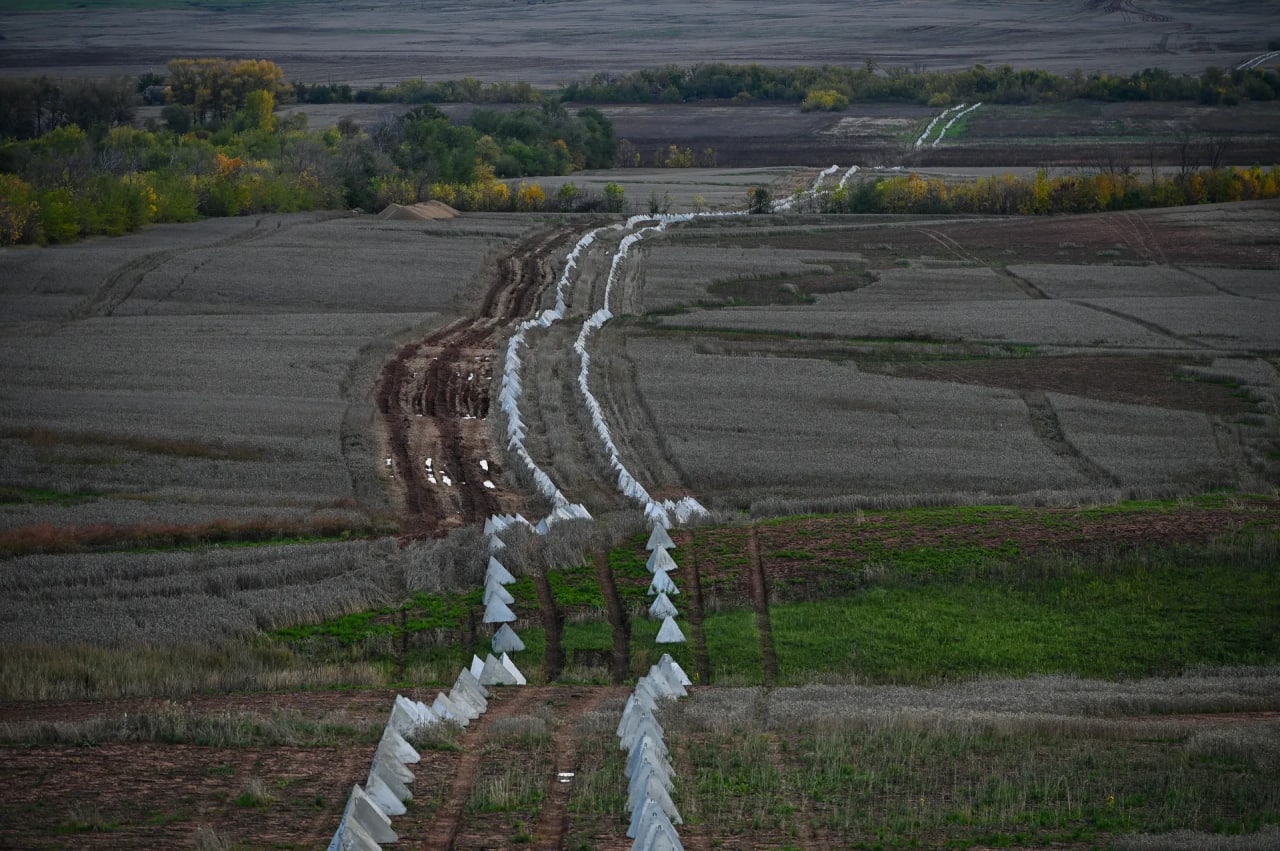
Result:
[446,824]
[619,625]
[760,600]
[553,818]
[701,660]
[433,399]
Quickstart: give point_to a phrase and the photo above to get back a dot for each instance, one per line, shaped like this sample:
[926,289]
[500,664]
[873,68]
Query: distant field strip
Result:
[954,119]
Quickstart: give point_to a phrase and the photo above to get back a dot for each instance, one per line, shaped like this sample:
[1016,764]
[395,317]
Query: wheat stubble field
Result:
[994,543]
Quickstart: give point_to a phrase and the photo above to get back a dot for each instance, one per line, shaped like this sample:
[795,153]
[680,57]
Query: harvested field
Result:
[792,396]
[553,43]
[217,370]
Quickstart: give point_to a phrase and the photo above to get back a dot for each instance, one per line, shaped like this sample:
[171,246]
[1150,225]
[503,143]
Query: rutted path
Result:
[446,823]
[433,397]
[553,818]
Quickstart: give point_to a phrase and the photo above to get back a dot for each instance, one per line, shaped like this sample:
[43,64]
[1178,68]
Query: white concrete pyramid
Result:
[365,811]
[497,611]
[450,711]
[403,720]
[468,683]
[660,559]
[496,544]
[662,584]
[380,793]
[652,790]
[462,707]
[660,539]
[497,571]
[647,813]
[673,668]
[514,671]
[397,747]
[392,766]
[670,633]
[658,835]
[662,607]
[350,836]
[392,781]
[505,640]
[494,590]
[467,702]
[647,752]
[649,771]
[495,673]
[668,676]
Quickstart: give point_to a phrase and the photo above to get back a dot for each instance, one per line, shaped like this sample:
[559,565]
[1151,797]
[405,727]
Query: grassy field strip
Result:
[924,137]
[961,114]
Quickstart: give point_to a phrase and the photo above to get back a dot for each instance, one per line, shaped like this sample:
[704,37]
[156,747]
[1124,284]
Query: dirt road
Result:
[433,397]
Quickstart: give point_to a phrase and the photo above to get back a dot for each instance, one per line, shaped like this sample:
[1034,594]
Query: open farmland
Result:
[199,373]
[549,43]
[821,358]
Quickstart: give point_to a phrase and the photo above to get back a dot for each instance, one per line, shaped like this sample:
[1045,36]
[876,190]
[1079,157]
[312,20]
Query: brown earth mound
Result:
[422,211]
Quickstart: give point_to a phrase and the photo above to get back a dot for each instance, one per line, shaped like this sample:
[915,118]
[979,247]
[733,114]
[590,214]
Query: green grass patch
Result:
[10,495]
[1130,620]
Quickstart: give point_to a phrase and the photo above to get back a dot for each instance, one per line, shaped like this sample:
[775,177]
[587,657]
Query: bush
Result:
[826,100]
[17,210]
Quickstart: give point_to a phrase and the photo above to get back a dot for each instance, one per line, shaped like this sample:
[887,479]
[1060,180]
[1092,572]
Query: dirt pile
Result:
[422,211]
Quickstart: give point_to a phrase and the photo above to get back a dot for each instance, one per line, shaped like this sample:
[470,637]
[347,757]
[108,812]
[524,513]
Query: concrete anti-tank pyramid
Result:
[662,607]
[662,584]
[386,774]
[660,539]
[350,836]
[651,790]
[670,633]
[397,747]
[497,611]
[385,759]
[658,835]
[498,572]
[505,640]
[672,665]
[493,590]
[513,670]
[660,560]
[495,673]
[363,810]
[467,683]
[380,793]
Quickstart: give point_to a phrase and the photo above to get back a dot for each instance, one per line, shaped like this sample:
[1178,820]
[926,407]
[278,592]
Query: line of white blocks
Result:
[650,778]
[366,820]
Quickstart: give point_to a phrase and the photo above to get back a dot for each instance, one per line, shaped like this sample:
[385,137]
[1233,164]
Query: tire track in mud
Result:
[433,397]
[121,283]
[957,248]
[446,824]
[553,819]
[701,660]
[1048,428]
[620,654]
[759,588]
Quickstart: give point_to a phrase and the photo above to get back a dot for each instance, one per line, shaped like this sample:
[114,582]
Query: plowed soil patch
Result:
[1128,380]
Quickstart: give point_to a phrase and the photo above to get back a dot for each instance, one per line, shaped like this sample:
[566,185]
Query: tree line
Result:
[833,86]
[1043,194]
[222,151]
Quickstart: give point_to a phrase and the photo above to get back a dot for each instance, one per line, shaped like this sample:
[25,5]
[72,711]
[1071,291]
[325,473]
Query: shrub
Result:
[825,100]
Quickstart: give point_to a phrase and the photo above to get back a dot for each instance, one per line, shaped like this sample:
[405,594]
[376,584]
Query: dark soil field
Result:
[546,43]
